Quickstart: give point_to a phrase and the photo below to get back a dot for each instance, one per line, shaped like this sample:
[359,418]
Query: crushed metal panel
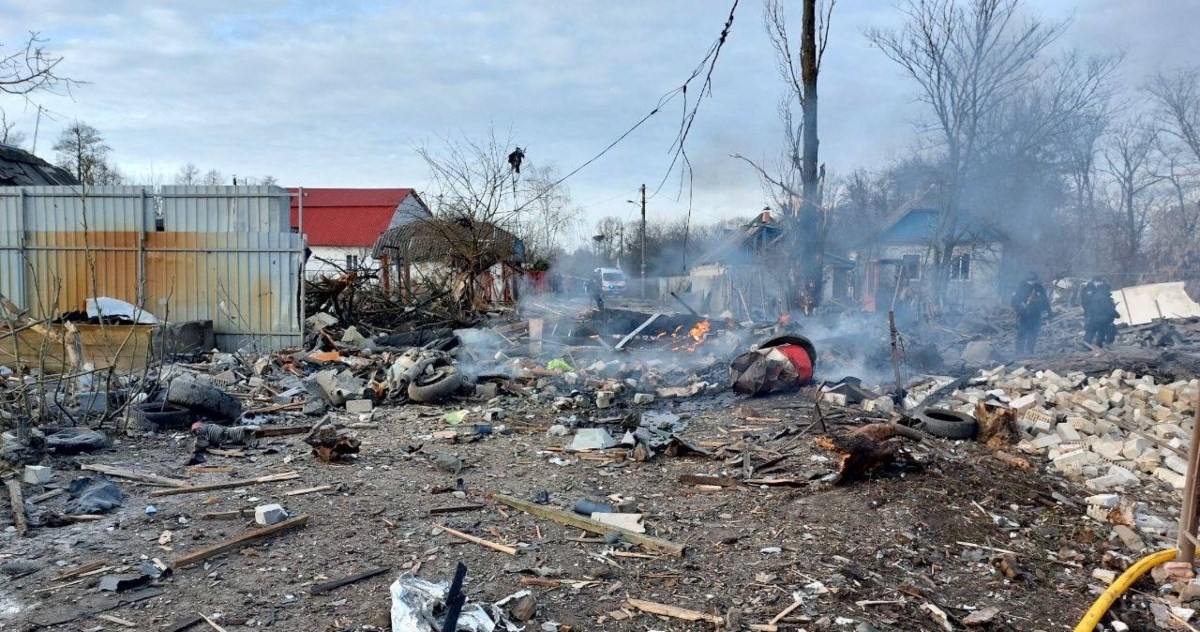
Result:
[1141,304]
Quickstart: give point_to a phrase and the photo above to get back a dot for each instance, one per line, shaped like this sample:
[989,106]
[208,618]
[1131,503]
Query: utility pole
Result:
[643,238]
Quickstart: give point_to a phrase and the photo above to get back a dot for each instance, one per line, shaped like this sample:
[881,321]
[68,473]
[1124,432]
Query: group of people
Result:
[1030,303]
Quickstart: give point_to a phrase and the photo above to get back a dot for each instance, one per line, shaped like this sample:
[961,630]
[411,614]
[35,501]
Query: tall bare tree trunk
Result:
[811,232]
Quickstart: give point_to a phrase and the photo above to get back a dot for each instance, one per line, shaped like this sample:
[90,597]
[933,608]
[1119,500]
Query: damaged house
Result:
[898,262]
[735,276]
[342,225]
[479,262]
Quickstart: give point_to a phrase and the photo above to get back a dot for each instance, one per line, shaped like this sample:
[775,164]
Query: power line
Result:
[709,61]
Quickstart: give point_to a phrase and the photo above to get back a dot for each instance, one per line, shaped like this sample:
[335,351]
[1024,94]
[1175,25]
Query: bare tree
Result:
[970,58]
[1177,96]
[8,135]
[1129,158]
[213,178]
[796,187]
[82,151]
[31,68]
[188,174]
[550,216]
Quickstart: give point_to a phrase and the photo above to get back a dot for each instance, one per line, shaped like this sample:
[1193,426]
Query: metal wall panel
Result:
[227,254]
[198,209]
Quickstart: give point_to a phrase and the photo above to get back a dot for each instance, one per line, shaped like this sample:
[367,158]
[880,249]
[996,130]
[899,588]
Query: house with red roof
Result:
[342,225]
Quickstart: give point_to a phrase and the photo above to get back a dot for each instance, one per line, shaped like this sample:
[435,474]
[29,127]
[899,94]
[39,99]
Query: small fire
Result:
[698,332]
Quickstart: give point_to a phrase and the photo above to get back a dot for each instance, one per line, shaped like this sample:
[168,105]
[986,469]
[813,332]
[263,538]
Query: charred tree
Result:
[795,183]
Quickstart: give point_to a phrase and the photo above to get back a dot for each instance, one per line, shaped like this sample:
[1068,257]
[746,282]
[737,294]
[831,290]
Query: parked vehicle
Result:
[612,280]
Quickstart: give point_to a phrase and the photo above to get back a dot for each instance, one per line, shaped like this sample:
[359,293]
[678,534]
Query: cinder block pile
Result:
[1112,432]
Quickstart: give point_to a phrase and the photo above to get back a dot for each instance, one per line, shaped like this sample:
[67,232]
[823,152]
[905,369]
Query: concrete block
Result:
[1108,449]
[1130,538]
[642,398]
[1123,478]
[1116,399]
[837,399]
[1093,406]
[494,414]
[1103,500]
[359,406]
[1134,447]
[1071,463]
[1162,414]
[1024,402]
[1166,396]
[38,474]
[604,399]
[269,514]
[1067,432]
[1082,424]
[1169,477]
[1173,462]
[1046,441]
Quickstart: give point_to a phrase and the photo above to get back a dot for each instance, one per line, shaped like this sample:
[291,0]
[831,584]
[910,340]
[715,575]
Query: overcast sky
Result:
[320,93]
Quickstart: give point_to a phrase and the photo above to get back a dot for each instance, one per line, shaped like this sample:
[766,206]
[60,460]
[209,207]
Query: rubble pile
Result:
[1114,431]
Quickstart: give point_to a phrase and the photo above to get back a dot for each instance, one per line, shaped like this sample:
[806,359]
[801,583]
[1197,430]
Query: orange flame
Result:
[699,331]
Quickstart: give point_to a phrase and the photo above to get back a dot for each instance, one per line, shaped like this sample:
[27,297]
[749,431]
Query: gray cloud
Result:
[322,94]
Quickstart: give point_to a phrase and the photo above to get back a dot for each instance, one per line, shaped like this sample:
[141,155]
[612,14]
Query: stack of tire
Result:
[186,399]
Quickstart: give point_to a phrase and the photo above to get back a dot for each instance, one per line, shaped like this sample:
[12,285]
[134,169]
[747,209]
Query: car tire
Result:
[947,424]
[160,416]
[205,400]
[432,387]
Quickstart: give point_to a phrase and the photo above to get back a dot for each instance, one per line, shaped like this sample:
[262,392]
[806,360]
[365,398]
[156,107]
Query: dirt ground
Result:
[871,555]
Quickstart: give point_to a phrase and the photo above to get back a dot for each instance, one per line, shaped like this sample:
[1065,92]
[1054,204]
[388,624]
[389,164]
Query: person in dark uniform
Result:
[596,288]
[1030,303]
[1099,311]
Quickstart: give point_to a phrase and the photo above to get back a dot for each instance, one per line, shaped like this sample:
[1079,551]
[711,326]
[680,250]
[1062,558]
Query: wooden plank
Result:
[345,581]
[18,506]
[480,541]
[587,524]
[675,611]
[79,570]
[141,477]
[190,489]
[47,496]
[234,514]
[238,541]
[716,481]
[308,490]
[454,509]
[280,431]
[637,331]
[116,620]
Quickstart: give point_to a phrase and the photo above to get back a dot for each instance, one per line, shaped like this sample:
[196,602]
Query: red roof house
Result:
[354,218]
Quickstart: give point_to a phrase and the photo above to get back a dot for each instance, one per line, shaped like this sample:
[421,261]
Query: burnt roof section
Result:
[448,240]
[21,168]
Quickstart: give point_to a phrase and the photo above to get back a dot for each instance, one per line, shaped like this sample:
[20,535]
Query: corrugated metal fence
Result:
[219,253]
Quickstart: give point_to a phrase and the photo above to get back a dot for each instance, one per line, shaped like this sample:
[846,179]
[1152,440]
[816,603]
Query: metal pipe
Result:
[455,599]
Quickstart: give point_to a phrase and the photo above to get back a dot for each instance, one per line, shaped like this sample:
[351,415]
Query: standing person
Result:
[1104,310]
[1030,303]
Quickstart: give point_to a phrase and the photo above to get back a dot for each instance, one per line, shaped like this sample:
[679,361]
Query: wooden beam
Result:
[308,490]
[637,331]
[675,611]
[270,478]
[237,542]
[141,477]
[587,524]
[79,570]
[454,509]
[18,506]
[338,583]
[480,541]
